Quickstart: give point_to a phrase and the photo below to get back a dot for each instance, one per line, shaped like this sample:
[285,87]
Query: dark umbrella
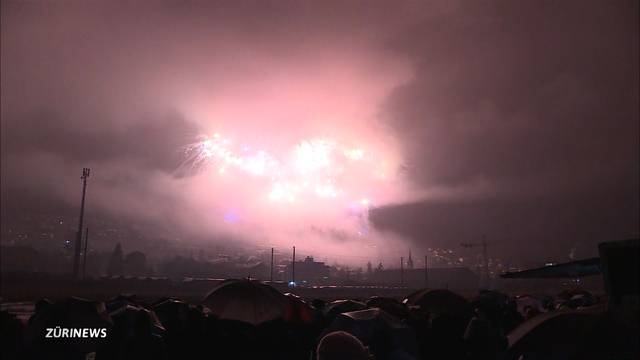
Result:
[137,334]
[574,298]
[337,307]
[441,302]
[569,293]
[556,334]
[248,301]
[121,300]
[130,316]
[72,313]
[80,312]
[299,312]
[491,303]
[382,332]
[42,304]
[172,314]
[390,305]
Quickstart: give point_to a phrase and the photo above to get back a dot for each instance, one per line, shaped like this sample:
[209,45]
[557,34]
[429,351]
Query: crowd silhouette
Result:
[243,319]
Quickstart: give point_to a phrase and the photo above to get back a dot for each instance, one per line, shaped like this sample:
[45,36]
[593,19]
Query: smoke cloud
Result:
[518,120]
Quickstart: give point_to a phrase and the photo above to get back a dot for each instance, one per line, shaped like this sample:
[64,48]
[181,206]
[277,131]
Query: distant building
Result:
[308,270]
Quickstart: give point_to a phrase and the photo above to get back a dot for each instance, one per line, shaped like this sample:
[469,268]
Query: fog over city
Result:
[351,130]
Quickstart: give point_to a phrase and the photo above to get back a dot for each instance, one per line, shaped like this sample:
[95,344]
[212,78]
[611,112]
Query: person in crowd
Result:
[340,345]
[11,331]
[484,338]
[530,312]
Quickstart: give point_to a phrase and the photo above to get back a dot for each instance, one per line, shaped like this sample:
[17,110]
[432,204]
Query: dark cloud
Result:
[533,229]
[520,90]
[538,101]
[151,144]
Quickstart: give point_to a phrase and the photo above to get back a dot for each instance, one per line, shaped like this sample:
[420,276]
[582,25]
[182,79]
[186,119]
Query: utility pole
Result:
[426,272]
[76,257]
[271,277]
[293,267]
[401,271]
[485,258]
[86,243]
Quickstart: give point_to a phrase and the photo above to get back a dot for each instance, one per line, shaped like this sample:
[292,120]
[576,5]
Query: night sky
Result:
[514,119]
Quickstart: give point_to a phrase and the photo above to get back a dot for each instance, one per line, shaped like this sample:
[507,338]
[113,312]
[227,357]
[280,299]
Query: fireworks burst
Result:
[320,169]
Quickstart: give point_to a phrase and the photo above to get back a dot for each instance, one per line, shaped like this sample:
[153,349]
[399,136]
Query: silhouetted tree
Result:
[116,262]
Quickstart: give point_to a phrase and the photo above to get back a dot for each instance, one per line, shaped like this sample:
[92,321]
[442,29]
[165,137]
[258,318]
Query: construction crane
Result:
[485,259]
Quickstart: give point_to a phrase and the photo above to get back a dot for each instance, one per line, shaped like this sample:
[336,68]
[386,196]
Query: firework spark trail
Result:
[320,169]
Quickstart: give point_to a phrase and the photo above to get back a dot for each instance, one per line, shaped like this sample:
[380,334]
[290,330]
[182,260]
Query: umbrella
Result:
[121,300]
[137,334]
[318,304]
[567,294]
[172,314]
[80,312]
[337,307]
[556,334]
[491,303]
[248,301]
[581,301]
[132,317]
[390,305]
[441,302]
[42,304]
[299,312]
[382,332]
[574,298]
[72,313]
